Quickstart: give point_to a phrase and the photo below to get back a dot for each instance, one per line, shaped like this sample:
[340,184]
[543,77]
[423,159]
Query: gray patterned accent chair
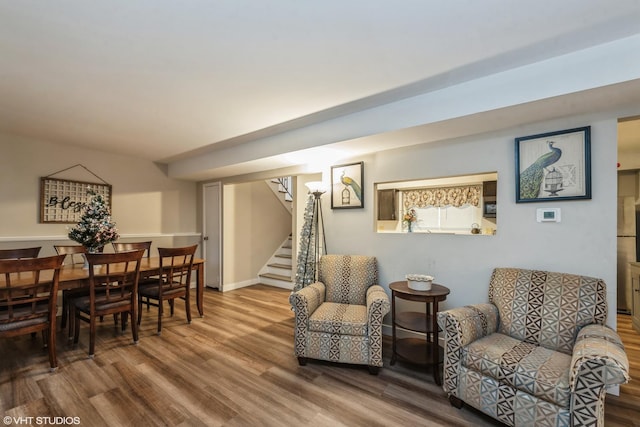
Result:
[339,317]
[538,353]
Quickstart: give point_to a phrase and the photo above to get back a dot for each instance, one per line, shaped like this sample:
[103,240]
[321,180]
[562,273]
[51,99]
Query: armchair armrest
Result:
[305,301]
[377,302]
[462,326]
[377,306]
[466,324]
[598,353]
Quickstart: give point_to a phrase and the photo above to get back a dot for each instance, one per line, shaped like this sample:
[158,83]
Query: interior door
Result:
[212,227]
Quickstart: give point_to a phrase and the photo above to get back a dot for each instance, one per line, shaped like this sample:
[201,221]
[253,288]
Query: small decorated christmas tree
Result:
[95,228]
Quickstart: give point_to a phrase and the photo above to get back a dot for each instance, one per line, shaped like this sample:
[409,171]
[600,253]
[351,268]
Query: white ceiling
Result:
[165,80]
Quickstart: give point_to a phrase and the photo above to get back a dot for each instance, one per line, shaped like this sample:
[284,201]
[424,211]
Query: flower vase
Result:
[86,261]
[409,227]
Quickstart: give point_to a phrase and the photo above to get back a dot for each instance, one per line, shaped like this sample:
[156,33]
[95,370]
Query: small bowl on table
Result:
[419,282]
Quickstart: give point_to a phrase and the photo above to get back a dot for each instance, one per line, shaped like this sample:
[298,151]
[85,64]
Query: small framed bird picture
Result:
[554,166]
[346,186]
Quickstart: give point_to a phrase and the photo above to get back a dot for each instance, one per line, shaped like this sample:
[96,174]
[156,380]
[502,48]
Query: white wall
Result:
[146,203]
[583,243]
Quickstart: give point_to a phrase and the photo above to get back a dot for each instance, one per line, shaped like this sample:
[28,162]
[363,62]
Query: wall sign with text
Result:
[63,201]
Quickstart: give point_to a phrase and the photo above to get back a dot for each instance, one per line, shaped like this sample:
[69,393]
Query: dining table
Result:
[74,276]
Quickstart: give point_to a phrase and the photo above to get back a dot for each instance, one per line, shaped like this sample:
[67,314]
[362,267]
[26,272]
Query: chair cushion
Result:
[343,319]
[347,277]
[23,317]
[546,308]
[82,304]
[532,369]
[152,291]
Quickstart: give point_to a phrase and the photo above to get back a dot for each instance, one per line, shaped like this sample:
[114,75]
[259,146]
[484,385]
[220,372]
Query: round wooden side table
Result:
[416,350]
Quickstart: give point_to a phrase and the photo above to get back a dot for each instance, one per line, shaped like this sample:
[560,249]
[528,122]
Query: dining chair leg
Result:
[187,306]
[139,310]
[72,324]
[123,322]
[65,311]
[160,310]
[76,327]
[92,336]
[134,326]
[53,362]
[171,305]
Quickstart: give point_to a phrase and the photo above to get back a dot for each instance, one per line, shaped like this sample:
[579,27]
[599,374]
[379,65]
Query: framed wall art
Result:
[346,186]
[554,166]
[63,201]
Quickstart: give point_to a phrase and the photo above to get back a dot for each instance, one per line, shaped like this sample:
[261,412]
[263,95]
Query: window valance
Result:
[456,196]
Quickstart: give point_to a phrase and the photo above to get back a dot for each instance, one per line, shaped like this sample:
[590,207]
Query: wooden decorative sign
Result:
[63,201]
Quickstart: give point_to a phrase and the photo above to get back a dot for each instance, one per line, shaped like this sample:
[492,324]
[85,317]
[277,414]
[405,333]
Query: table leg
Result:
[436,344]
[393,327]
[200,289]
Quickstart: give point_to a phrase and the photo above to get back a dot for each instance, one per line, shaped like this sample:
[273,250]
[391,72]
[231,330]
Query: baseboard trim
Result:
[238,285]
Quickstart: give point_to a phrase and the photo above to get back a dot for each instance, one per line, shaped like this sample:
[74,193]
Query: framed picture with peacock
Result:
[346,186]
[554,166]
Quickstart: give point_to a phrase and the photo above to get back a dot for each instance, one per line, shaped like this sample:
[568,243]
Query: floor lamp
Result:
[317,188]
[311,248]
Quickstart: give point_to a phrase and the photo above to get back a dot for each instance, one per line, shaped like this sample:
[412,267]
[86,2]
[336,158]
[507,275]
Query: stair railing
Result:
[285,184]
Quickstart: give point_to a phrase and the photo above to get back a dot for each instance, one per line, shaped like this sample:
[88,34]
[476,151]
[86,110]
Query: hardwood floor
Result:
[234,367]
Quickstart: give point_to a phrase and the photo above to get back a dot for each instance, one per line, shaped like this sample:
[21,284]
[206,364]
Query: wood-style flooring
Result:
[233,367]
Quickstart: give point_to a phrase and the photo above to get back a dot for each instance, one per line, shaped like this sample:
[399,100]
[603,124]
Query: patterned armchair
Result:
[537,354]
[339,317]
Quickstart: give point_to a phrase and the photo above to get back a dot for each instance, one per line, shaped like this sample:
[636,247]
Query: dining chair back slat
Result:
[20,253]
[132,246]
[74,253]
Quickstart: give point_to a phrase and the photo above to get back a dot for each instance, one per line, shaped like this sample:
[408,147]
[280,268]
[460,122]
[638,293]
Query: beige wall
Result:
[255,225]
[146,203]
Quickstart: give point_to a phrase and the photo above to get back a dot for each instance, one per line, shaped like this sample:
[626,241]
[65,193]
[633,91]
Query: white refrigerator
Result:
[626,250]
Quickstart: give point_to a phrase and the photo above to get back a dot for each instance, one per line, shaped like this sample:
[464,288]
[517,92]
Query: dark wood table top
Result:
[403,288]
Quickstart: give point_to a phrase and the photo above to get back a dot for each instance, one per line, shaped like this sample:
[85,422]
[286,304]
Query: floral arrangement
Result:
[410,217]
[95,228]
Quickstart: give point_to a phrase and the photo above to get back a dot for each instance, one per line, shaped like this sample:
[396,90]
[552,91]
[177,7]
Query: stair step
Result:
[276,277]
[288,256]
[276,265]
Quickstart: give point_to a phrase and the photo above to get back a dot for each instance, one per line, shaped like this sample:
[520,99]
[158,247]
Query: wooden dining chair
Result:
[130,246]
[28,298]
[20,253]
[113,285]
[74,253]
[174,282]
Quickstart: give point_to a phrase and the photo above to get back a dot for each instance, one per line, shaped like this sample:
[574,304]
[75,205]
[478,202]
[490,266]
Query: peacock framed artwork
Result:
[554,166]
[346,186]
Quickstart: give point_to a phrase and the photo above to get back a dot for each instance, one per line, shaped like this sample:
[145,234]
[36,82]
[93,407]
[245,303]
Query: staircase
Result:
[279,270]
